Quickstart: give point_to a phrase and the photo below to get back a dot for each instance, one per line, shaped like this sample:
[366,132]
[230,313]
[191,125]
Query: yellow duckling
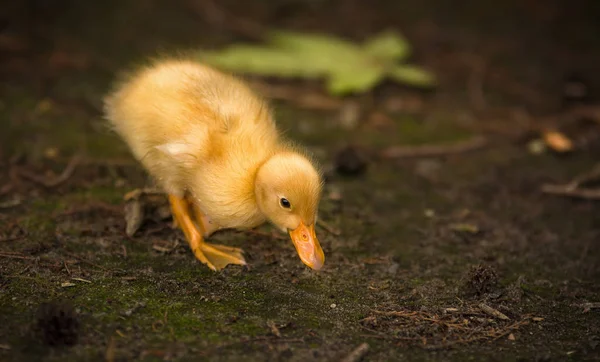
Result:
[213,145]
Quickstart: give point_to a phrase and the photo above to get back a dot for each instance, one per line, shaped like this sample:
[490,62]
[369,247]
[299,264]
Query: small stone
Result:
[335,194]
[350,114]
[333,305]
[536,147]
[428,168]
[51,153]
[351,160]
[429,213]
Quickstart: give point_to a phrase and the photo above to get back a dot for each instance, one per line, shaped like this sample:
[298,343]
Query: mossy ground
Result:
[399,247]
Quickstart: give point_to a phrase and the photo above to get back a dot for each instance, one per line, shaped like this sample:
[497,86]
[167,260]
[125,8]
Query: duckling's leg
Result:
[214,256]
[208,228]
[206,225]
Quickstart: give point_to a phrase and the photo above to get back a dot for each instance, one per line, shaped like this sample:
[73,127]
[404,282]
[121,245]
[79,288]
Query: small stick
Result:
[12,238]
[51,183]
[475,84]
[434,150]
[594,174]
[86,261]
[330,229]
[110,350]
[274,329]
[82,280]
[493,312]
[11,256]
[588,306]
[11,203]
[137,193]
[357,354]
[67,268]
[567,190]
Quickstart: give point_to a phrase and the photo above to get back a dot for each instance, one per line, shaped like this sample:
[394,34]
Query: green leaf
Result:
[388,45]
[262,61]
[412,75]
[315,44]
[347,67]
[359,80]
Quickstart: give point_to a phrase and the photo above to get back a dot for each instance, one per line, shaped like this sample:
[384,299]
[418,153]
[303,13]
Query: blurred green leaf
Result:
[314,44]
[388,45]
[346,67]
[361,80]
[412,75]
[262,61]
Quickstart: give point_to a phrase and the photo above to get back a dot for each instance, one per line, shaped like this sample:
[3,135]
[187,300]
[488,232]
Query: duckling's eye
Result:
[285,203]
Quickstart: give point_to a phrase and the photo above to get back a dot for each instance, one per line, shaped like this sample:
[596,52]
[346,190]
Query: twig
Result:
[434,150]
[357,354]
[82,280]
[274,329]
[97,205]
[396,313]
[588,306]
[12,238]
[16,201]
[573,188]
[86,261]
[567,190]
[12,256]
[137,193]
[330,229]
[51,183]
[475,84]
[110,350]
[256,339]
[493,312]
[593,175]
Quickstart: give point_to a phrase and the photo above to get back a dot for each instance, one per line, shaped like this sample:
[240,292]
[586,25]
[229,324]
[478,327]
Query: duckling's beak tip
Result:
[307,245]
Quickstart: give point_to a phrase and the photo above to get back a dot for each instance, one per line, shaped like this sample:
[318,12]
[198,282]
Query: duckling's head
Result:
[288,190]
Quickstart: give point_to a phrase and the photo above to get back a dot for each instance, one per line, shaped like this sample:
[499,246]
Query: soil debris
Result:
[57,324]
[493,312]
[469,145]
[480,280]
[357,354]
[437,329]
[351,161]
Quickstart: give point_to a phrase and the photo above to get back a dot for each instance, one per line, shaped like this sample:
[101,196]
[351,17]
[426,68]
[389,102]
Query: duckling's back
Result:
[181,100]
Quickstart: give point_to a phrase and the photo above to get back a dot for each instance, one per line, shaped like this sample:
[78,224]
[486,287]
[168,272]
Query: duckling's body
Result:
[213,146]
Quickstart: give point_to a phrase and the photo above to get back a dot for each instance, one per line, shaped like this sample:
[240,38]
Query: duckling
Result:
[212,145]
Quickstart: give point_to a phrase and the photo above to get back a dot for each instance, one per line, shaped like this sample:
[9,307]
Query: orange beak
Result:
[307,245]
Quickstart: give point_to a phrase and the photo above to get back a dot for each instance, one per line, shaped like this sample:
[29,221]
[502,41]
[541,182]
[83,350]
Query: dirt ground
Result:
[450,256]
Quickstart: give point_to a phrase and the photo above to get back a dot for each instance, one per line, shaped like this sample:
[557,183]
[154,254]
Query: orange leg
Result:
[208,227]
[214,256]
